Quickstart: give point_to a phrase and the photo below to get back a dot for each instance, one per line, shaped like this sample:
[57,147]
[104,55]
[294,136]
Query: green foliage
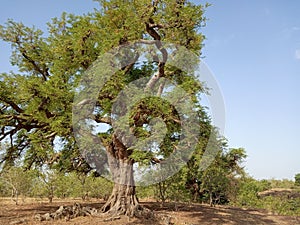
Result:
[218,181]
[297,179]
[215,182]
[147,192]
[16,182]
[86,186]
[173,189]
[284,183]
[248,190]
[218,184]
[36,103]
[281,204]
[52,184]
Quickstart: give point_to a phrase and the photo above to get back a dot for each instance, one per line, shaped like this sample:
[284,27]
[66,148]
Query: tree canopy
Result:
[37,102]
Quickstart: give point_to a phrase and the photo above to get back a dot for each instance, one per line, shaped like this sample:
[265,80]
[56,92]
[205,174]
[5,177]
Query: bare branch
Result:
[84,102]
[147,42]
[153,33]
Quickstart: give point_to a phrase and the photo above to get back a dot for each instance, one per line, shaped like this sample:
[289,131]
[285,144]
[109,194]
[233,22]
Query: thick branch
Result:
[152,32]
[13,105]
[161,65]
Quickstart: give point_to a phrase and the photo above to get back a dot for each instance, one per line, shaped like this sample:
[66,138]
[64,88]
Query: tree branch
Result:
[161,88]
[50,135]
[105,119]
[13,105]
[43,72]
[155,160]
[147,42]
[5,134]
[161,65]
[155,5]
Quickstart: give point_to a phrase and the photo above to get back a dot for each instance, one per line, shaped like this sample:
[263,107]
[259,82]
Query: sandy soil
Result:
[182,214]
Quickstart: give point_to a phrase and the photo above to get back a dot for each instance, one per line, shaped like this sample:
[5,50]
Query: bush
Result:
[247,193]
[281,205]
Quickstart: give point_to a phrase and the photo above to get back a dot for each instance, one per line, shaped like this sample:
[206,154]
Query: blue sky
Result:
[253,49]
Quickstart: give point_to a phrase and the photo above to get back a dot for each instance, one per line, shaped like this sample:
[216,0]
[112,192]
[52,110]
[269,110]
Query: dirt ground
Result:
[182,214]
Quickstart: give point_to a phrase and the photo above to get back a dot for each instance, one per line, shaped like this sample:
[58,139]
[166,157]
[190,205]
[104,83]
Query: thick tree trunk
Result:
[123,200]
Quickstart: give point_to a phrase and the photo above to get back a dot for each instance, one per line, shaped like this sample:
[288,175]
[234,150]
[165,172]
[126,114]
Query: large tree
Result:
[36,103]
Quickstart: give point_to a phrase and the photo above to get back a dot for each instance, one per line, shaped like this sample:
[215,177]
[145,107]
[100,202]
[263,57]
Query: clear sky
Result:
[253,49]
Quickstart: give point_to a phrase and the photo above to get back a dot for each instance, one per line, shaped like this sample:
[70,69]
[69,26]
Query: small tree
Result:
[99,187]
[64,185]
[297,179]
[18,182]
[217,179]
[48,180]
[215,182]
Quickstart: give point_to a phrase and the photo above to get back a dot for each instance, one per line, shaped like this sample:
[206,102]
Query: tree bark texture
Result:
[123,200]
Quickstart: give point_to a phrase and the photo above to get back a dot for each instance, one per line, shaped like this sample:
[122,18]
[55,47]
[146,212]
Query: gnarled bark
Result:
[123,200]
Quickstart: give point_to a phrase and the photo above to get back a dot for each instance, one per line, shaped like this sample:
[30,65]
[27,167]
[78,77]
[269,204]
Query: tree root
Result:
[71,212]
[67,213]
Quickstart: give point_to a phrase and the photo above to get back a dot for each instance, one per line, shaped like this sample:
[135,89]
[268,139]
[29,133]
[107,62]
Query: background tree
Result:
[297,179]
[218,182]
[49,182]
[173,189]
[36,103]
[16,183]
